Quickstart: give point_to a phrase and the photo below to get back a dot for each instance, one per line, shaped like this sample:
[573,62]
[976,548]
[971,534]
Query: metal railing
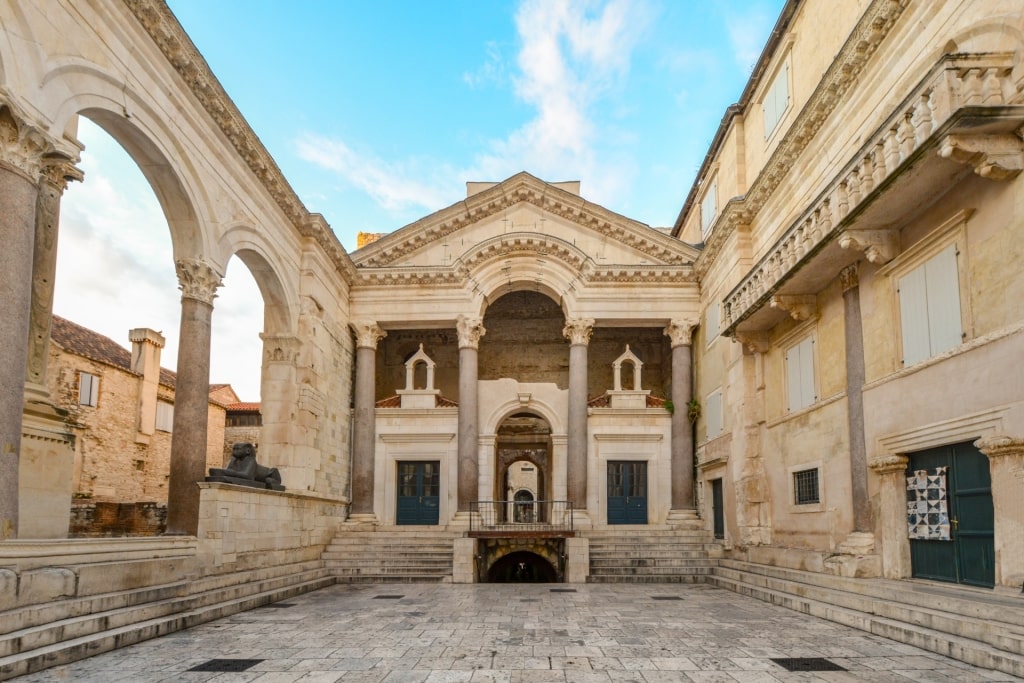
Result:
[519,516]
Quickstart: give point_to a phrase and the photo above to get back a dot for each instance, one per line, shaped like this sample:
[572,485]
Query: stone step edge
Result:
[75,649]
[962,649]
[887,592]
[1004,638]
[168,606]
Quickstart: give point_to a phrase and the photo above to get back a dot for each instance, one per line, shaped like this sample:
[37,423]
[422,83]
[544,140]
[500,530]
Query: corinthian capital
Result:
[368,333]
[470,330]
[1000,445]
[57,170]
[578,331]
[197,280]
[22,145]
[680,332]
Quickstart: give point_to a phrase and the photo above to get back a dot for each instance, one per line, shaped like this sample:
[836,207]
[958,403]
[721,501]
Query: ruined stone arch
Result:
[280,299]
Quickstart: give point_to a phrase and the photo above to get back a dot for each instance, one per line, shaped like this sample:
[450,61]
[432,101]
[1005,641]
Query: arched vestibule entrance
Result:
[523,467]
[520,560]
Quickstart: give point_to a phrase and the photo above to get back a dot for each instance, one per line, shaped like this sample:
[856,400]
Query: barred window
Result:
[805,487]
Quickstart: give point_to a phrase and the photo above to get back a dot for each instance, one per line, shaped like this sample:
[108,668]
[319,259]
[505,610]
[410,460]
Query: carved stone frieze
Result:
[997,157]
[470,330]
[680,332]
[368,333]
[197,280]
[799,307]
[879,246]
[280,348]
[578,330]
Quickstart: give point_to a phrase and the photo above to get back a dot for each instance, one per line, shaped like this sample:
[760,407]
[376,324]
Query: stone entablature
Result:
[959,89]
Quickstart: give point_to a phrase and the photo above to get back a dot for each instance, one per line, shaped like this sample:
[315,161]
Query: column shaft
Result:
[682,431]
[577,432]
[18,202]
[191,401]
[855,408]
[363,430]
[469,473]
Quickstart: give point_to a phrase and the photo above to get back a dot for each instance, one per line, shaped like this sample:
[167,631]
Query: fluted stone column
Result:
[892,507]
[56,173]
[855,400]
[578,333]
[21,149]
[680,332]
[1006,465]
[470,330]
[198,282]
[364,424]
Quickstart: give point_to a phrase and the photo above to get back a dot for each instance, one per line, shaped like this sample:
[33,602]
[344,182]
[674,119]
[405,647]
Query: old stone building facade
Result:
[815,369]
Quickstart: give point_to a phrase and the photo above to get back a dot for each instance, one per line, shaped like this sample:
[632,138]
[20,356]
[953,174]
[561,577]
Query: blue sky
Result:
[379,112]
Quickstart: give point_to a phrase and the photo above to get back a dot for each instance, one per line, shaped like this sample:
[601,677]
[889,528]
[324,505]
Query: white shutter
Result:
[793,378]
[800,374]
[776,100]
[713,413]
[713,321]
[164,416]
[943,286]
[914,316]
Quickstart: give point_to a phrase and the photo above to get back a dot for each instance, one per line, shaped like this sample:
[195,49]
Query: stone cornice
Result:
[873,27]
[519,189]
[157,20]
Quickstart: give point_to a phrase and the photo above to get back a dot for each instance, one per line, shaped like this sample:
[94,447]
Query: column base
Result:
[855,557]
[361,522]
[581,520]
[686,519]
[460,522]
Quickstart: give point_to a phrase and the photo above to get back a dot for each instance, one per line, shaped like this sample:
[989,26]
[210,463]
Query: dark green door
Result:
[418,492]
[627,492]
[969,555]
[717,511]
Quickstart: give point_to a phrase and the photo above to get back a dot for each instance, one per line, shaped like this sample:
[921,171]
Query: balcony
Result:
[519,519]
[959,118]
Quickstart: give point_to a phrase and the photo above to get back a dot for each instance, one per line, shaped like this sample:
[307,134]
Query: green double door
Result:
[968,556]
[419,492]
[627,492]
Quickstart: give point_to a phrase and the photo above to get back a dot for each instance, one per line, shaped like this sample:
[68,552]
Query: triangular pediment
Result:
[522,216]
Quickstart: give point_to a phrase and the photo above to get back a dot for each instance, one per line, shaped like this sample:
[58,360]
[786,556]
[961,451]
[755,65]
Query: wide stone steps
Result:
[650,556]
[974,626]
[65,630]
[390,556]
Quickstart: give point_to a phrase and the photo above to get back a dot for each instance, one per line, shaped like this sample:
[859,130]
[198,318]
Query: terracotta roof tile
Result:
[243,407]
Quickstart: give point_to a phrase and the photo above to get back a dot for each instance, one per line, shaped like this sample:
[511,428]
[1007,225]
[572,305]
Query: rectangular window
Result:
[713,413]
[929,300]
[164,416]
[713,321]
[776,101]
[800,375]
[805,487]
[88,389]
[709,207]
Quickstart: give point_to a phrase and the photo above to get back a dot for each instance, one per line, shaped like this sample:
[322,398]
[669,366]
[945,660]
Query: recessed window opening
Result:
[805,487]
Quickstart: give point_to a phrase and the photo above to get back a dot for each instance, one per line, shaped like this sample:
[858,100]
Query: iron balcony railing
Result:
[520,516]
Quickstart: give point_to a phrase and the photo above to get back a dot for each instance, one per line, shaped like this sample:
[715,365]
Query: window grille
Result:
[805,487]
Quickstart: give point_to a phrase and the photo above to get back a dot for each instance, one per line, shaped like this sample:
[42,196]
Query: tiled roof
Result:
[243,407]
[601,401]
[396,402]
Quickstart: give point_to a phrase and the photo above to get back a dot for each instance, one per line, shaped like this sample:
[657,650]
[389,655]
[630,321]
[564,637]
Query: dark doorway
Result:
[717,509]
[951,515]
[418,492]
[522,567]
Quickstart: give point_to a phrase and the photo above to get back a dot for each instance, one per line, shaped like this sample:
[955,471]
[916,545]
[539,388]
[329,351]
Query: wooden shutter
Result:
[713,413]
[913,296]
[800,375]
[943,286]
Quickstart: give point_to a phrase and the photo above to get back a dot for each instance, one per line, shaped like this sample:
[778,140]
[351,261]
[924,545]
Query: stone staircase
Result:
[390,556]
[65,630]
[976,626]
[650,555]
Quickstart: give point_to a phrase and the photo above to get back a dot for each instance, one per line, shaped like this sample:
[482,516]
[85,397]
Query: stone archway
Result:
[523,442]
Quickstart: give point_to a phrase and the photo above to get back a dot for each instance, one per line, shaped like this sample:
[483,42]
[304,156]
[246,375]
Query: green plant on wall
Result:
[693,410]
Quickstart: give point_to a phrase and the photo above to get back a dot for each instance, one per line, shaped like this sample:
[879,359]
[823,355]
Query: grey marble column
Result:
[198,282]
[56,173]
[20,164]
[680,332]
[578,333]
[470,330]
[855,398]
[364,423]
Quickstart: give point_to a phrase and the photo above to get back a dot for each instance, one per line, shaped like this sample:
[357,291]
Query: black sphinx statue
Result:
[243,470]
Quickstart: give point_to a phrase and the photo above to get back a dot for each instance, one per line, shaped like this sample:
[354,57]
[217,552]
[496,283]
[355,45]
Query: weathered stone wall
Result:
[117,519]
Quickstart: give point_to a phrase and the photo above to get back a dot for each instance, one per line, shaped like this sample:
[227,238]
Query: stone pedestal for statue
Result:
[44,473]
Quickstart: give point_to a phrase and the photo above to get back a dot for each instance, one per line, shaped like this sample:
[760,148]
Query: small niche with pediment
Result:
[627,392]
[419,389]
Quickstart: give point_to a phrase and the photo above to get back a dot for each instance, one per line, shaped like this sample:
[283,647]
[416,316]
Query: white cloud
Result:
[492,71]
[747,33]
